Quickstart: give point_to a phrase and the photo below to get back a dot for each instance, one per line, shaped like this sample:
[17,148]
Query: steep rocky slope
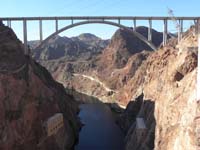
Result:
[105,73]
[28,97]
[64,56]
[82,47]
[166,86]
[118,55]
[124,44]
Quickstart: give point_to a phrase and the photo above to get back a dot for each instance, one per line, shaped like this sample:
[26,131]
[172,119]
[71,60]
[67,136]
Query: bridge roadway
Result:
[97,17]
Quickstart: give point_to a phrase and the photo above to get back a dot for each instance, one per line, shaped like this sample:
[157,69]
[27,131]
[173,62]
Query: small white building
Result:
[141,128]
[54,123]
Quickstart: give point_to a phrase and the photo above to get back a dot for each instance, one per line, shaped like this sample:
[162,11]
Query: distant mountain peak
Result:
[88,37]
[85,46]
[124,44]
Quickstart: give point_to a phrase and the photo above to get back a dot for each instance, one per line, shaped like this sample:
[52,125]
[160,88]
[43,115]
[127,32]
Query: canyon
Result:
[112,66]
[155,91]
[156,87]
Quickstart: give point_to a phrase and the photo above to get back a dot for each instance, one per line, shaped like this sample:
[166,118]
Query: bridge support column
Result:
[56,24]
[119,21]
[40,28]
[9,23]
[134,22]
[195,27]
[150,31]
[180,30]
[25,37]
[165,33]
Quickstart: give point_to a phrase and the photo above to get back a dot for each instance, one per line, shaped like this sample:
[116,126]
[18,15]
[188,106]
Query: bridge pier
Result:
[25,37]
[135,23]
[181,24]
[150,31]
[40,28]
[9,23]
[119,21]
[165,33]
[56,24]
[195,27]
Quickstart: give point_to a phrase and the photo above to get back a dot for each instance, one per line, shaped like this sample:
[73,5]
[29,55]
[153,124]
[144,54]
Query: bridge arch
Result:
[140,36]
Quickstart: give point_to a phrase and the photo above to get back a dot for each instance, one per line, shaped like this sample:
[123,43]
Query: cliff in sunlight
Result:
[163,94]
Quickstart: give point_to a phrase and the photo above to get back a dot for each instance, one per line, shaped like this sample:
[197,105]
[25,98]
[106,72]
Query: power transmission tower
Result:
[177,25]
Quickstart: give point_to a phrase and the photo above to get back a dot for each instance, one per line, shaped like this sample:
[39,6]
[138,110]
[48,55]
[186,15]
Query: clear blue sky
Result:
[23,8]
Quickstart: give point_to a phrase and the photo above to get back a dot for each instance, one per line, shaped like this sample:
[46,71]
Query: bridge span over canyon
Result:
[110,20]
[51,125]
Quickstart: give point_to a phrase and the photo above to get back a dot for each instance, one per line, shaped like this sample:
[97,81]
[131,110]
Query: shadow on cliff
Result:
[138,123]
[83,98]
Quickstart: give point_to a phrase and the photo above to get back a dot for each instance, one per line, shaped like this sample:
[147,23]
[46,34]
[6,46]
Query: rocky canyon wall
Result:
[167,80]
[28,97]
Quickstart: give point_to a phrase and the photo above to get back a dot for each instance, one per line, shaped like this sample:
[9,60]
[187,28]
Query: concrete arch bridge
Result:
[110,20]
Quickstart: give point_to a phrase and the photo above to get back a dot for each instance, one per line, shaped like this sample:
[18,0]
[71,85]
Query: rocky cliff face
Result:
[82,47]
[107,72]
[124,44]
[28,97]
[167,79]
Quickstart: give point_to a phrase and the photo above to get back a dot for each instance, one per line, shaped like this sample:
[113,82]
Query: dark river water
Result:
[100,131]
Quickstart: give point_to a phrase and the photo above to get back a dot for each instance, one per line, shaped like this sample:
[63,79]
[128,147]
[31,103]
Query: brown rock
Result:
[168,79]
[28,97]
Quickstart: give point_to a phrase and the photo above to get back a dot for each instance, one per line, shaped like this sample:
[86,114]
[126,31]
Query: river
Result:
[99,131]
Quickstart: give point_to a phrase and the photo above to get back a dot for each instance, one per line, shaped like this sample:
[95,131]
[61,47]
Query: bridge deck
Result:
[99,17]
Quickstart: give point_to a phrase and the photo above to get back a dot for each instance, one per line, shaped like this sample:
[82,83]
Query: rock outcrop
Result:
[167,79]
[28,97]
[123,45]
[82,47]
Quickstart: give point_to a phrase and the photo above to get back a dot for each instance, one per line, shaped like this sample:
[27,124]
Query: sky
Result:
[33,8]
